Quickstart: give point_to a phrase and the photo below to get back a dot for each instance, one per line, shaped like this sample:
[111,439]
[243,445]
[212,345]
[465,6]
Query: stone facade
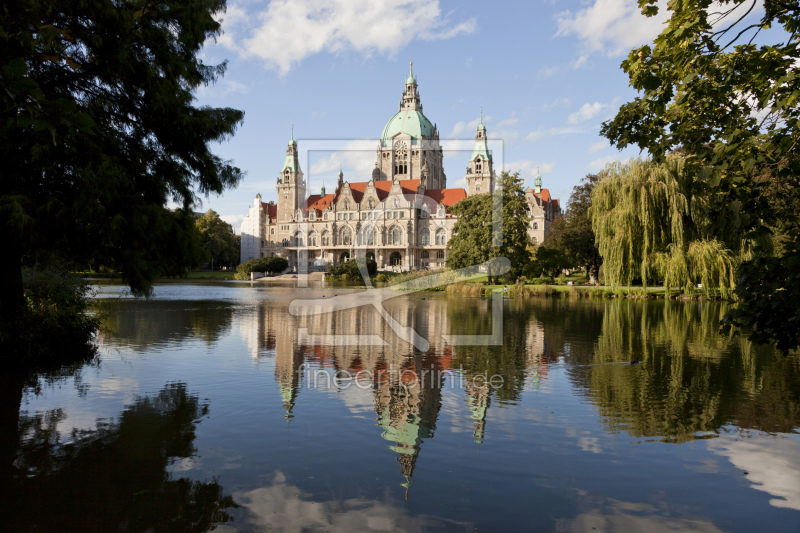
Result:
[401,217]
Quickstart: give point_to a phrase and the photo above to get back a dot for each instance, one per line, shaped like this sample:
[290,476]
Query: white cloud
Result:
[596,147]
[611,27]
[542,133]
[557,102]
[466,127]
[288,31]
[528,168]
[587,112]
[222,88]
[235,221]
[599,164]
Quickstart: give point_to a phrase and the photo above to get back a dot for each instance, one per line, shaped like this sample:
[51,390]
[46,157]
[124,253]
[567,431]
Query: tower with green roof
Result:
[291,189]
[480,172]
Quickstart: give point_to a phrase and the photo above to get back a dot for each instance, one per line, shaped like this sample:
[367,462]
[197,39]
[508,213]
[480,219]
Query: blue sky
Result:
[546,73]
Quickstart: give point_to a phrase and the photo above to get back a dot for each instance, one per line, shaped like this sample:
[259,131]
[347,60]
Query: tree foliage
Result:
[650,227]
[475,238]
[217,239]
[713,85]
[98,132]
[572,234]
[547,261]
[261,264]
[349,270]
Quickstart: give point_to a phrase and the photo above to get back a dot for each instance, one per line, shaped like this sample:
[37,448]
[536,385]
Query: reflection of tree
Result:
[141,324]
[113,477]
[690,378]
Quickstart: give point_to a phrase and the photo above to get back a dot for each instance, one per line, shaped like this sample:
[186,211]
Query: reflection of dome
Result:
[410,122]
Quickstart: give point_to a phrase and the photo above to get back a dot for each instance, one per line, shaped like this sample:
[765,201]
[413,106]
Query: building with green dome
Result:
[400,216]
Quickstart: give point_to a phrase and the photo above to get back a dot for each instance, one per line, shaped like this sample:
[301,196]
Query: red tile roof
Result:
[315,201]
[448,197]
[270,209]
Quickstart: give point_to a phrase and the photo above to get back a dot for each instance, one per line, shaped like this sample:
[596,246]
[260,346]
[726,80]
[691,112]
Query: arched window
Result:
[369,236]
[440,254]
[326,238]
[347,238]
[535,240]
[426,212]
[298,238]
[424,237]
[371,203]
[425,254]
[395,259]
[285,242]
[535,225]
[396,237]
[441,238]
[312,238]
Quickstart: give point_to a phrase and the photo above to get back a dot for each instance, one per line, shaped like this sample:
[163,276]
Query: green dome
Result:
[408,121]
[411,79]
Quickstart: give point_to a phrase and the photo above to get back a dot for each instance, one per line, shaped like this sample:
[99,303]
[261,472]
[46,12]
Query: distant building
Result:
[401,217]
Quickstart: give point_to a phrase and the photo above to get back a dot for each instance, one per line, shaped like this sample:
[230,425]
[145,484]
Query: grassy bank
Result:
[221,275]
[566,291]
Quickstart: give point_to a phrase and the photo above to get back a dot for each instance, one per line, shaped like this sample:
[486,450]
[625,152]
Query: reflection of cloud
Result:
[614,515]
[283,507]
[773,465]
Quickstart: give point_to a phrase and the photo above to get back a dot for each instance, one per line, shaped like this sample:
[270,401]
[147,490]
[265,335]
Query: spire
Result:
[322,192]
[411,80]
[291,140]
[480,124]
[538,182]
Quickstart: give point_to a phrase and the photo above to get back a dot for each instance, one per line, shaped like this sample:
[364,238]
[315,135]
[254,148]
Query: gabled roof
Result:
[382,189]
[318,202]
[448,197]
[270,209]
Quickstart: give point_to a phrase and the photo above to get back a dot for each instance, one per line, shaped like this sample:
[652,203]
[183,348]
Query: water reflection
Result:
[569,418]
[114,477]
[686,379]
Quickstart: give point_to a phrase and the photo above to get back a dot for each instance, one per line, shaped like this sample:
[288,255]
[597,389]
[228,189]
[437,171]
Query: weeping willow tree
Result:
[649,225]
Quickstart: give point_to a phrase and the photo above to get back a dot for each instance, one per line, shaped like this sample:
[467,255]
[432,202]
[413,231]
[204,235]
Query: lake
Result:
[248,408]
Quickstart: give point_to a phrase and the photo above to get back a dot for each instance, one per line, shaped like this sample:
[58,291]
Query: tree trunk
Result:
[11,387]
[12,299]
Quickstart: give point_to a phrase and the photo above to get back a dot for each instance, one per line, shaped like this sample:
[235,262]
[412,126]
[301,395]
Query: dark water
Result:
[211,406]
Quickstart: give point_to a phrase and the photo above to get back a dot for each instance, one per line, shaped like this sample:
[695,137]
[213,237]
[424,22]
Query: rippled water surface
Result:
[211,405]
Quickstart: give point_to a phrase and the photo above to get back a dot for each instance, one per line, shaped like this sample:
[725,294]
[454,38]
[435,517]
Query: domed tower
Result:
[480,172]
[409,142]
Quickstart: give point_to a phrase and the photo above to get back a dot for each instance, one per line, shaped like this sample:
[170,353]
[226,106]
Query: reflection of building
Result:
[400,217]
[407,404]
[406,384]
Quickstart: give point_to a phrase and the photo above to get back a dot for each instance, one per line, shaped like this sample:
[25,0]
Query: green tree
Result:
[546,261]
[217,239]
[98,132]
[649,226]
[475,239]
[572,234]
[261,264]
[732,105]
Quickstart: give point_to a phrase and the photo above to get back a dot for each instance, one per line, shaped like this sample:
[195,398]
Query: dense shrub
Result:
[56,325]
[349,271]
[261,264]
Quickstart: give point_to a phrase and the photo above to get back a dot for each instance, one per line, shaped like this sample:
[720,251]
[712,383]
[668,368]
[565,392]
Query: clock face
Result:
[400,149]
